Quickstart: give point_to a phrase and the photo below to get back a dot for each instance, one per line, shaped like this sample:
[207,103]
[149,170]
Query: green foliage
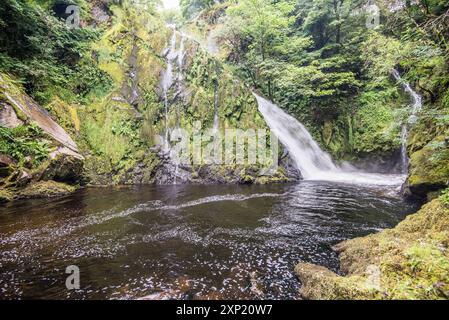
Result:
[42,51]
[282,49]
[191,7]
[91,82]
[24,141]
[444,198]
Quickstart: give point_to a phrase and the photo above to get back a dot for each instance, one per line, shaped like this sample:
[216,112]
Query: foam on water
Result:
[314,163]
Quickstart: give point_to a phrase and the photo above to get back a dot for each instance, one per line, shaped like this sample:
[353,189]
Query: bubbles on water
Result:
[193,246]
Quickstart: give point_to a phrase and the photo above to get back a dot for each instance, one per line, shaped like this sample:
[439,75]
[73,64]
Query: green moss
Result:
[5,195]
[445,197]
[412,259]
[430,164]
[46,189]
[376,127]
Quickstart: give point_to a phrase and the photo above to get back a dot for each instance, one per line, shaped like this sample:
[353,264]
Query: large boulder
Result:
[410,261]
[16,105]
[429,168]
[65,166]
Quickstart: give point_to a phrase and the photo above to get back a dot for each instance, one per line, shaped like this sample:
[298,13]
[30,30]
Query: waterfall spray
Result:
[314,163]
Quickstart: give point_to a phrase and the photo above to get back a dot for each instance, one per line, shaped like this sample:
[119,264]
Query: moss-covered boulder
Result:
[410,261]
[5,195]
[64,166]
[429,167]
[46,189]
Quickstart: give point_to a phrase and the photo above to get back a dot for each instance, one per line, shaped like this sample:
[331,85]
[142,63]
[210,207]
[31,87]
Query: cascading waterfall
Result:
[181,57]
[311,160]
[416,107]
[314,163]
[404,157]
[216,119]
[167,81]
[416,98]
[174,58]
[180,61]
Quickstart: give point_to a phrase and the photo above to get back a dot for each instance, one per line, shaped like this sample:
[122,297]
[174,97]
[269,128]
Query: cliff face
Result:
[33,146]
[110,127]
[123,133]
[410,261]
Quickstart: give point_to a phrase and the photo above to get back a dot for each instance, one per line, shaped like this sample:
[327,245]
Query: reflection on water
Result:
[189,242]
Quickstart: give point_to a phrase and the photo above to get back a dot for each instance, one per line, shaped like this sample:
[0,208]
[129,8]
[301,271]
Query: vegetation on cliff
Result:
[101,82]
[329,63]
[323,63]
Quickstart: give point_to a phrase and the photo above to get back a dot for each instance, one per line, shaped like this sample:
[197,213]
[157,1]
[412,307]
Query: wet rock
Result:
[6,166]
[100,13]
[291,170]
[5,160]
[8,117]
[23,178]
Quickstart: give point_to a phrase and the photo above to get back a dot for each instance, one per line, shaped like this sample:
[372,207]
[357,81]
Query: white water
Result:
[167,81]
[314,163]
[181,57]
[174,58]
[404,156]
[216,119]
[416,107]
[416,98]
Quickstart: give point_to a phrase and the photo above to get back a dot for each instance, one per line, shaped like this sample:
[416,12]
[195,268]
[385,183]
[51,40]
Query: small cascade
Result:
[404,157]
[314,163]
[167,81]
[181,55]
[216,119]
[416,100]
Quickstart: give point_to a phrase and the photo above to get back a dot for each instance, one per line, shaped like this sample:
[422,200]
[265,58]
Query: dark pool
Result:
[184,242]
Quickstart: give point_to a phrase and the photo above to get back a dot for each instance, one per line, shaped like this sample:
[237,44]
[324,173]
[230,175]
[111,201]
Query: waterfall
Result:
[310,159]
[167,81]
[175,60]
[216,119]
[181,57]
[314,163]
[404,157]
[416,100]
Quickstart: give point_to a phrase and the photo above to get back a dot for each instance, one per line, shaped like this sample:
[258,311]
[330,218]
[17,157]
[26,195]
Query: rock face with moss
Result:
[33,147]
[123,132]
[429,156]
[107,128]
[410,261]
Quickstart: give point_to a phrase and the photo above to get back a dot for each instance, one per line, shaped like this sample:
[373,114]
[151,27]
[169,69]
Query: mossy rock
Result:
[46,189]
[429,168]
[412,262]
[5,195]
[64,168]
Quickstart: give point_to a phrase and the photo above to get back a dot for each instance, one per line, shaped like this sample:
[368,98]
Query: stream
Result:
[185,241]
